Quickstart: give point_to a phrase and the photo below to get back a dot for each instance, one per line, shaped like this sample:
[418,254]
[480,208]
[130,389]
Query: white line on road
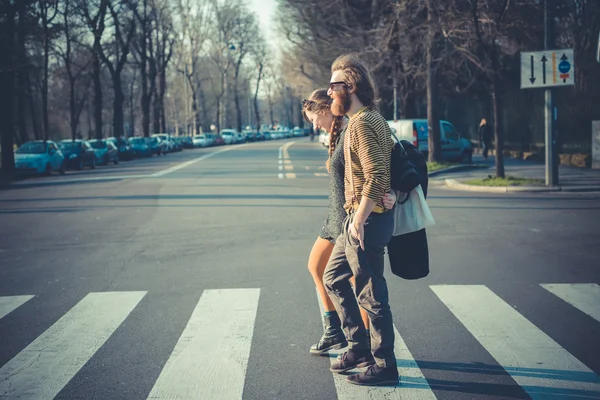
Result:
[321,174]
[583,296]
[188,163]
[413,384]
[284,158]
[10,303]
[44,367]
[541,366]
[210,359]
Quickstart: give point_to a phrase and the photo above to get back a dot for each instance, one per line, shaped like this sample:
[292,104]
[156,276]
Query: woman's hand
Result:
[389,199]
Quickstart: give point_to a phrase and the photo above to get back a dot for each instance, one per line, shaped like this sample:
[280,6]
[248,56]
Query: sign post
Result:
[547,69]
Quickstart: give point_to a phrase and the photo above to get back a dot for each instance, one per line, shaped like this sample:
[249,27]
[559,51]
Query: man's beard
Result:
[341,103]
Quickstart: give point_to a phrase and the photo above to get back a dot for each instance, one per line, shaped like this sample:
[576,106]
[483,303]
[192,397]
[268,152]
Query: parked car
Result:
[169,143]
[139,147]
[200,141]
[124,148]
[39,157]
[186,142]
[229,136]
[218,140]
[455,147]
[105,151]
[78,153]
[297,132]
[157,145]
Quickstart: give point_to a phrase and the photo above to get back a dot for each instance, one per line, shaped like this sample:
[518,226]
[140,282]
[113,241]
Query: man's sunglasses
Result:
[332,84]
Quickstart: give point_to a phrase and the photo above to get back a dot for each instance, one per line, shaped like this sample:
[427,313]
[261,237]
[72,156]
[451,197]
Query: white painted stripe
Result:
[583,296]
[188,163]
[413,384]
[210,359]
[536,362]
[79,180]
[321,174]
[287,161]
[289,167]
[44,367]
[290,175]
[281,167]
[280,176]
[10,303]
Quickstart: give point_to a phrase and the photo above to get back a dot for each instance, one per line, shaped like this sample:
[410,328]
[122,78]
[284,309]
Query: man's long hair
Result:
[358,75]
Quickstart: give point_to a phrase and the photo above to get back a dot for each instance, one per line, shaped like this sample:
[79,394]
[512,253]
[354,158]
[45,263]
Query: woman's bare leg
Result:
[317,261]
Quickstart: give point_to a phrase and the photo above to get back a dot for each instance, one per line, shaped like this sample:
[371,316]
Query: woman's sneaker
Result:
[329,343]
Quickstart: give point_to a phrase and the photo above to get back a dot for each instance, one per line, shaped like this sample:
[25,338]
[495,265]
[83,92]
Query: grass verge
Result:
[436,166]
[508,181]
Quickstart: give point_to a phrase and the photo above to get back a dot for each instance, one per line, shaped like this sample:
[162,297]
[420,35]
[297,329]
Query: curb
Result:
[454,184]
[457,168]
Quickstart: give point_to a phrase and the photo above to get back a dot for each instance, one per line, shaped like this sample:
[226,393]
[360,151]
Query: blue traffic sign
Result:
[564,66]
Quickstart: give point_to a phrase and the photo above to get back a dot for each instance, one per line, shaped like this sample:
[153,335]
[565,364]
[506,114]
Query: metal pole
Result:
[395,98]
[551,170]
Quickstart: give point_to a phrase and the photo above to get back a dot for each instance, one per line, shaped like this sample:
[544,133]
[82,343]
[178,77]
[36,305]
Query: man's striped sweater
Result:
[367,155]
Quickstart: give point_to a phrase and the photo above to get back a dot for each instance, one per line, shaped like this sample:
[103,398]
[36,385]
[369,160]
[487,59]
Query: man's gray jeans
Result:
[348,259]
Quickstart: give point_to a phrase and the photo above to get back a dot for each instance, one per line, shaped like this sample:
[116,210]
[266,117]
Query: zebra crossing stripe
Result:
[10,303]
[413,384]
[44,367]
[536,362]
[583,296]
[210,359]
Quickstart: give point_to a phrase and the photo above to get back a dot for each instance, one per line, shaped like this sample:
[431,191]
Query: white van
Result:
[454,146]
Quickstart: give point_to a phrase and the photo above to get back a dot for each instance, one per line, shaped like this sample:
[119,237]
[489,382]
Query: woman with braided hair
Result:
[317,111]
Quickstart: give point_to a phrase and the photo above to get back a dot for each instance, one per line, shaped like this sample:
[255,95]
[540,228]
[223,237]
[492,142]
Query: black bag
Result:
[409,255]
[419,163]
[404,176]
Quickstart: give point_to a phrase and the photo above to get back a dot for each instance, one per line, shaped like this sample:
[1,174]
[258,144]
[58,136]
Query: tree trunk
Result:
[22,81]
[498,132]
[131,110]
[256,110]
[119,101]
[46,123]
[156,113]
[205,124]
[161,99]
[7,88]
[72,110]
[435,148]
[96,71]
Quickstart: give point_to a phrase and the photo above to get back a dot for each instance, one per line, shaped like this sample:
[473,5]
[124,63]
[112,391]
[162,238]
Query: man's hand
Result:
[389,199]
[357,230]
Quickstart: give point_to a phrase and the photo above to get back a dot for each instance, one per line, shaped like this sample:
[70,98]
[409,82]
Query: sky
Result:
[265,9]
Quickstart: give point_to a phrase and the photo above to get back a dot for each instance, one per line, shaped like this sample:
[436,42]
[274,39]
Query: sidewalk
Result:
[569,178]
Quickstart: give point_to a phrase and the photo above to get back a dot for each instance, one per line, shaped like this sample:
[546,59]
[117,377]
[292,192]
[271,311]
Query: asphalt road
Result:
[185,277]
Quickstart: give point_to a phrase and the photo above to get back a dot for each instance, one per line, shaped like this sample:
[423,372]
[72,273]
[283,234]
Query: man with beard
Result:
[359,251]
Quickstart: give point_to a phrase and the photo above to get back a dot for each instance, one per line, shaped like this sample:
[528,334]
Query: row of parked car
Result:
[231,136]
[46,157]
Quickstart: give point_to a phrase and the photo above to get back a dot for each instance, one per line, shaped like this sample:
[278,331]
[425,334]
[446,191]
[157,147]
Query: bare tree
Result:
[115,55]
[47,12]
[74,67]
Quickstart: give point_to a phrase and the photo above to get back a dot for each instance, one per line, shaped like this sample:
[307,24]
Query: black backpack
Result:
[408,167]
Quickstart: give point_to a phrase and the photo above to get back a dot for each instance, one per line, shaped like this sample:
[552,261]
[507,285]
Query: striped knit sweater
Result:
[367,154]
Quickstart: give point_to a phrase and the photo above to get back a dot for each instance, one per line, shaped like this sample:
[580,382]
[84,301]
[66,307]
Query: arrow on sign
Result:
[532,79]
[544,59]
[564,57]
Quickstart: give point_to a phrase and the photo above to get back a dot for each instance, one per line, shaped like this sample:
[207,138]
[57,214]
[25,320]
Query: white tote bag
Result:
[413,214]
